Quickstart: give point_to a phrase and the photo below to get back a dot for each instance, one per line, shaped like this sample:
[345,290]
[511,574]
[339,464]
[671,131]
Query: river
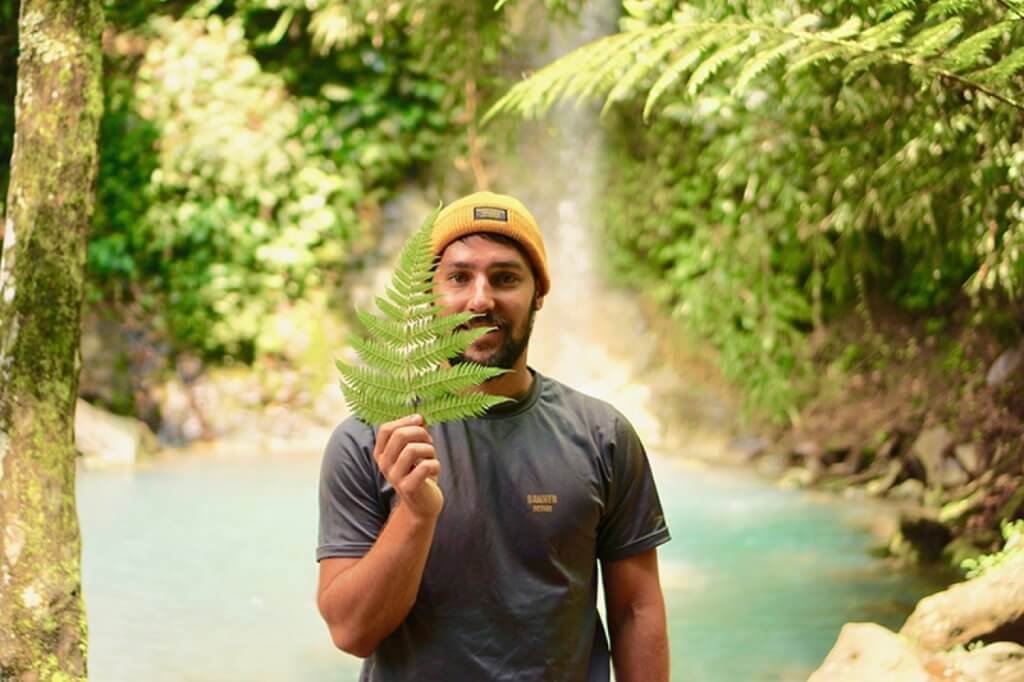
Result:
[201,569]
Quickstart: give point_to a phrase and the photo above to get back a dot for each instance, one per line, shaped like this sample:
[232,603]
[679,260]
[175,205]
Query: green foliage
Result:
[236,178]
[802,160]
[693,43]
[1013,545]
[404,355]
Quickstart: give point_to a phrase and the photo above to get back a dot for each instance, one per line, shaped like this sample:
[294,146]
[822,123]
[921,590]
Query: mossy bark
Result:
[42,276]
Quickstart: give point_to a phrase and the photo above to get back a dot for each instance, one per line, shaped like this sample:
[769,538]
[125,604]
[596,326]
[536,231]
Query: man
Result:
[468,551]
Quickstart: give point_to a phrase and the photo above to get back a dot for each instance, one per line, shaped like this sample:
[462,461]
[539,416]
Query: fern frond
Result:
[935,38]
[725,54]
[700,49]
[646,63]
[677,68]
[404,356]
[761,62]
[1002,71]
[885,34]
[893,6]
[949,8]
[970,51]
[816,53]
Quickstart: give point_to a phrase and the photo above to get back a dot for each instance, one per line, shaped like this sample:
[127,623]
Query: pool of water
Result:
[201,569]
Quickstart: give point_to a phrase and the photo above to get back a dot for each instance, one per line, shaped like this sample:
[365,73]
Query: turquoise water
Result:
[202,570]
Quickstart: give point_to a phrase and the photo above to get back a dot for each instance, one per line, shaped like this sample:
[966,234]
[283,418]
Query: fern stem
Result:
[1011,8]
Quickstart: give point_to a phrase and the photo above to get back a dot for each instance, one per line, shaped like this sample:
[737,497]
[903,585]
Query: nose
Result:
[481,298]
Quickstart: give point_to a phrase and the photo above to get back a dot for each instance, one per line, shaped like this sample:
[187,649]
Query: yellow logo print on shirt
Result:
[542,503]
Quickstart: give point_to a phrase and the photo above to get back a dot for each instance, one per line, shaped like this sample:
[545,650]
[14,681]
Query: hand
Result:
[405,454]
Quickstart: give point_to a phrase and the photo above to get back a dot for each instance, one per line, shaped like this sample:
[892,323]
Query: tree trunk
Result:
[42,275]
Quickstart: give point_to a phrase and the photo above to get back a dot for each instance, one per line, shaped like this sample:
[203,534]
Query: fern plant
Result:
[692,49]
[406,353]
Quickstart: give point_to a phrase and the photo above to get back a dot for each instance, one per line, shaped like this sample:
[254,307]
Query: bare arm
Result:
[636,618]
[363,600]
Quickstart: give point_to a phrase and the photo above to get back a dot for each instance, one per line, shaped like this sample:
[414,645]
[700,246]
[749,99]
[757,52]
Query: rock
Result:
[747,448]
[795,478]
[106,439]
[1005,365]
[930,450]
[953,475]
[865,651]
[772,465]
[885,481]
[808,449]
[969,457]
[970,609]
[927,536]
[1002,661]
[911,490]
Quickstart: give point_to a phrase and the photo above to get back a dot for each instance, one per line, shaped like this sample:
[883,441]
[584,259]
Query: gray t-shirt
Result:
[535,494]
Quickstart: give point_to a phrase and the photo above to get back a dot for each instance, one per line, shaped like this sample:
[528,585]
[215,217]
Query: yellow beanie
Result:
[498,214]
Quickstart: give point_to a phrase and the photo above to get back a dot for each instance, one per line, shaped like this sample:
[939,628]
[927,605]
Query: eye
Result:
[506,279]
[458,277]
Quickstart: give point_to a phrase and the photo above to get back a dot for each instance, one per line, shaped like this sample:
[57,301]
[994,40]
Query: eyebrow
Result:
[498,265]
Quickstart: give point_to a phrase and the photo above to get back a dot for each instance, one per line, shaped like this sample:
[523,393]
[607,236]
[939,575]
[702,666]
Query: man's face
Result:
[494,280]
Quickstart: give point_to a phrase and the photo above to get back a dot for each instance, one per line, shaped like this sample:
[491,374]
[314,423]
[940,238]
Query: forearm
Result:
[367,601]
[639,641]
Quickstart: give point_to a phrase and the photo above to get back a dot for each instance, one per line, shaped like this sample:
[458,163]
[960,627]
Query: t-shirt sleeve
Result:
[633,520]
[352,508]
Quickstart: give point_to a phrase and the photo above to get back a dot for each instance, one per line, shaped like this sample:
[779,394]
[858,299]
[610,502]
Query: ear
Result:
[538,302]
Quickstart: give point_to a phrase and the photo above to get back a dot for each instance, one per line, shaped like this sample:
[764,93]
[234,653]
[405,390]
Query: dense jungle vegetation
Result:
[247,147]
[798,164]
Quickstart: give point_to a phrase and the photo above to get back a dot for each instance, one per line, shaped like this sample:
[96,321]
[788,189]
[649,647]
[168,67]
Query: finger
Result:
[427,468]
[399,440]
[387,429]
[411,456]
[386,448]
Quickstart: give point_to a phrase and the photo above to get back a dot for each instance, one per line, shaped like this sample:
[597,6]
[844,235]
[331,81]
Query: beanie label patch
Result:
[489,213]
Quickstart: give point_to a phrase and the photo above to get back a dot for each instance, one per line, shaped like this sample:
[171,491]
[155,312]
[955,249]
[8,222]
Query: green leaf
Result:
[404,356]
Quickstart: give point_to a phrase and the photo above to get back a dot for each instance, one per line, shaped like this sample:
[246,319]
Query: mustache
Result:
[487,320]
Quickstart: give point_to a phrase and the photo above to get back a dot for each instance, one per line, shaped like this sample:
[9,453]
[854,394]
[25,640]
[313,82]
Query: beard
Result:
[513,341]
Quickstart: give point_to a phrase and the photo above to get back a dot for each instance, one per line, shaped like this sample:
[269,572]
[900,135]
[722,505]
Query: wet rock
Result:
[911,490]
[969,457]
[1005,366]
[970,610]
[109,440]
[930,449]
[926,536]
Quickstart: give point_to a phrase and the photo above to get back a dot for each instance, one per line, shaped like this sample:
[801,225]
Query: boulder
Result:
[969,457]
[930,449]
[106,439]
[865,651]
[953,475]
[1005,365]
[971,609]
[1002,661]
